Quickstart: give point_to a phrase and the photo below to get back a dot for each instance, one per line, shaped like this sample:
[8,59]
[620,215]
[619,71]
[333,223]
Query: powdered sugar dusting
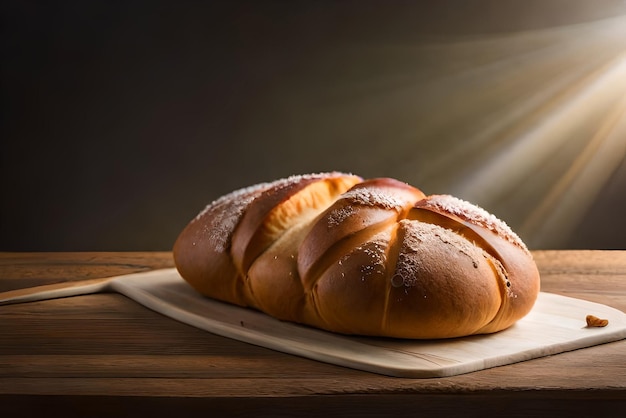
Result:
[407,271]
[375,250]
[476,215]
[418,238]
[368,196]
[388,198]
[408,265]
[291,180]
[223,214]
[340,214]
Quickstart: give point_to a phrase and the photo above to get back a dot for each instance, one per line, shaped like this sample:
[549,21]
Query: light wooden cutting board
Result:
[555,325]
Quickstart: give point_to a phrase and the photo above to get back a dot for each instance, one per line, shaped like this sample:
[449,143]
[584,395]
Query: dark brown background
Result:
[121,120]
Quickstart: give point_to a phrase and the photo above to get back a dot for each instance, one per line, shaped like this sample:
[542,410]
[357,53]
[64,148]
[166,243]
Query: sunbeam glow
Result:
[584,102]
[570,139]
[528,124]
[562,208]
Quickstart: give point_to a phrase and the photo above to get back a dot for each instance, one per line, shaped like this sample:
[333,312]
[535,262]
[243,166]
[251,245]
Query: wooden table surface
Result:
[103,355]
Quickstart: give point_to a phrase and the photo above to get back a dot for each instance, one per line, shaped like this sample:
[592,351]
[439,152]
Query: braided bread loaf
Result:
[374,257]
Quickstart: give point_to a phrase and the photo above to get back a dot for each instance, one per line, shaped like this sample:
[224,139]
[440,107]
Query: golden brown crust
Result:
[374,257]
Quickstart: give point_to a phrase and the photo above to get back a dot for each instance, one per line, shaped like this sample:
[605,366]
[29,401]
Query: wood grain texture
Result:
[105,354]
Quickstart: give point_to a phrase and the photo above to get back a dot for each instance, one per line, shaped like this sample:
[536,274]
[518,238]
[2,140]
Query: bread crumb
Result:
[595,322]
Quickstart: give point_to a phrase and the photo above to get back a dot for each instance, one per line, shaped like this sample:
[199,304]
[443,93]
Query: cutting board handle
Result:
[55,291]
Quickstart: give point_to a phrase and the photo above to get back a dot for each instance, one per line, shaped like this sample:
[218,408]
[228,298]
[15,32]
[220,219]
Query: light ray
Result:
[519,123]
[511,165]
[557,215]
